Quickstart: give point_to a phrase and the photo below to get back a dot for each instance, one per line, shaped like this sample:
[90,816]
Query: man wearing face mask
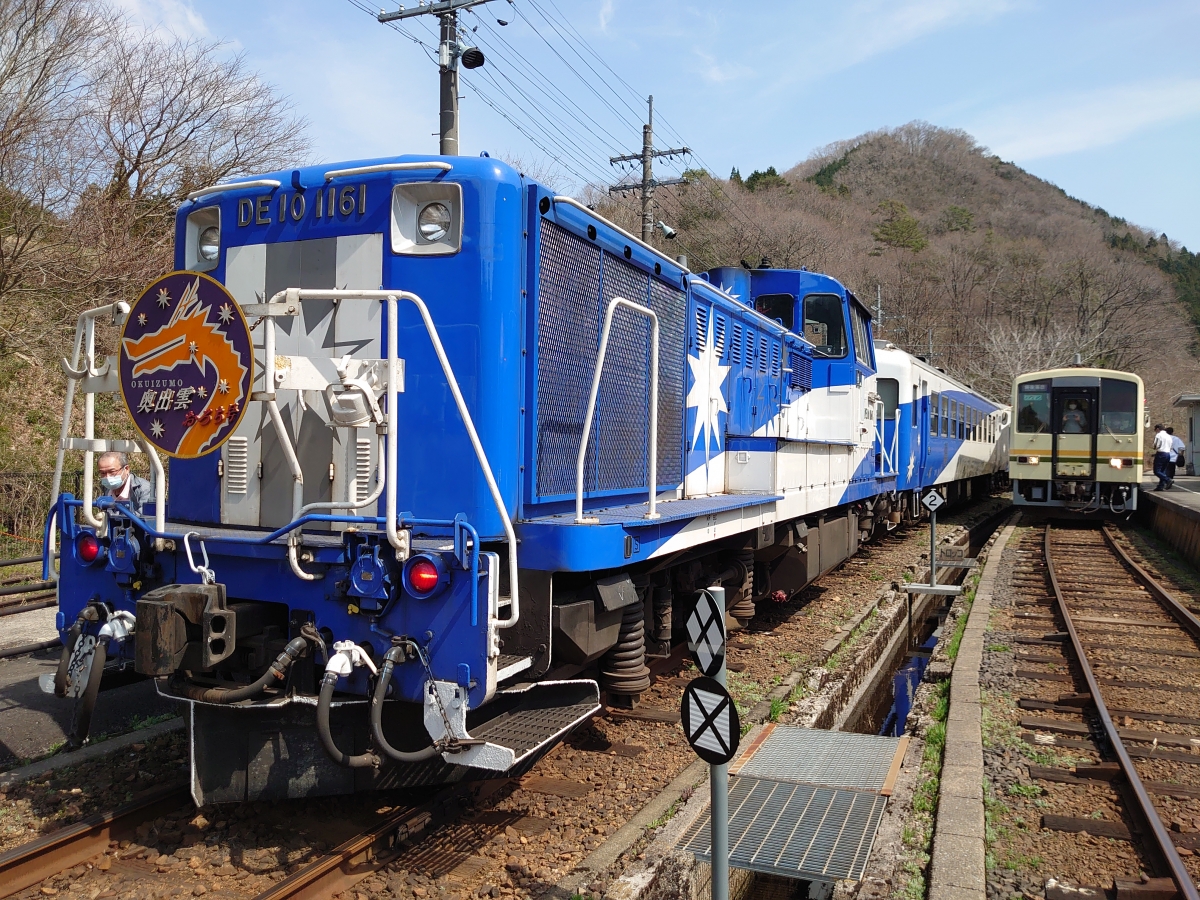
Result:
[120,483]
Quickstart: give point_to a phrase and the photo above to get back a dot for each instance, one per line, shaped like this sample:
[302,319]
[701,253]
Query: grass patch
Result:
[778,708]
[998,648]
[1025,790]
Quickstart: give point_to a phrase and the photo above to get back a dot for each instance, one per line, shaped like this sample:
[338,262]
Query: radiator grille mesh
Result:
[576,280]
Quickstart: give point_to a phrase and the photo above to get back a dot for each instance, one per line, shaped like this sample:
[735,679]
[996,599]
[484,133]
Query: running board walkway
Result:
[804,803]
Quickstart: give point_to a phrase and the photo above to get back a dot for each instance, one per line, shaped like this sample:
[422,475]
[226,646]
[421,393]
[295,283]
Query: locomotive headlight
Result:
[433,221]
[1030,460]
[1116,463]
[209,243]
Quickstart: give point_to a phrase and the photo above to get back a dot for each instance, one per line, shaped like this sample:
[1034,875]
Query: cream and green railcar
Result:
[1077,439]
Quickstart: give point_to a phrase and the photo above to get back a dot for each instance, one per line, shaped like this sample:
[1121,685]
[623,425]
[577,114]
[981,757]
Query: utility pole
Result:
[449,53]
[879,306]
[646,158]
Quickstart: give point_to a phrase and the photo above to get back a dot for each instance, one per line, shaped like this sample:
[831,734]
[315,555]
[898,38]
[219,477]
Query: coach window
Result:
[945,417]
[954,431]
[1033,405]
[780,307]
[824,325]
[933,413]
[889,393]
[1118,406]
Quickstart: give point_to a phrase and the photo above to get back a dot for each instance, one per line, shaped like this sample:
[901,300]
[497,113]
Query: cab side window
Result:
[824,325]
[780,307]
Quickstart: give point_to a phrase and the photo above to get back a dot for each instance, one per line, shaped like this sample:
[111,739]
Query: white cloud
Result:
[176,16]
[1066,123]
[720,71]
[877,26]
[606,14]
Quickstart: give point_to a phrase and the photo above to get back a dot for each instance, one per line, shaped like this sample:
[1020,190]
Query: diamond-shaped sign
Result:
[933,501]
[710,721]
[706,634]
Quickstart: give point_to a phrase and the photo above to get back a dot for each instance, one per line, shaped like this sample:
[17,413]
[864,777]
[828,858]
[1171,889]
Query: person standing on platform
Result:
[1177,450]
[1162,457]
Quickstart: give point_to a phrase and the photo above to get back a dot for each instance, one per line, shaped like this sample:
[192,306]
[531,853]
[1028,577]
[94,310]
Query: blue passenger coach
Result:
[476,456]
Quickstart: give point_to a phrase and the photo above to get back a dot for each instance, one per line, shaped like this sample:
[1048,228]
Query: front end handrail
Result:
[652,462]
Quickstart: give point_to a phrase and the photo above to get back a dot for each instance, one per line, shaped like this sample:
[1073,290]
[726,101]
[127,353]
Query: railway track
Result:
[515,834]
[1116,659]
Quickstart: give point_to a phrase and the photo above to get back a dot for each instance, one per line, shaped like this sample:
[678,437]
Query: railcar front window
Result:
[1118,406]
[824,325]
[1076,417]
[1033,408]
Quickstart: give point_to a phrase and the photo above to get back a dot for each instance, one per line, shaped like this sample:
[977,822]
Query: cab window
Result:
[862,343]
[824,325]
[780,307]
[1033,408]
[1118,406]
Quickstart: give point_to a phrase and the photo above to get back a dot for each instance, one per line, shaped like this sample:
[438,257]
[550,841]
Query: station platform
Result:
[1174,514]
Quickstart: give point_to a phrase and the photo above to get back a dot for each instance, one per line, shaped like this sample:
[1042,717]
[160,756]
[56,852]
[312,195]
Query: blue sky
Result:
[1101,98]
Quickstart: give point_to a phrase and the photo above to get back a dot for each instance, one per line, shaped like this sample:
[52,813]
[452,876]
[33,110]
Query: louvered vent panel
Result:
[735,348]
[237,466]
[800,378]
[701,326]
[362,468]
[774,359]
[762,353]
[719,335]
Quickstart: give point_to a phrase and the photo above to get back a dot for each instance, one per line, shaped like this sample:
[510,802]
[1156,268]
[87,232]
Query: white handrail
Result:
[392,298]
[233,186]
[591,406]
[387,167]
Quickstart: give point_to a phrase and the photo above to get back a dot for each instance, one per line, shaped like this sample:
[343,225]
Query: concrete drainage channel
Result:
[841,696]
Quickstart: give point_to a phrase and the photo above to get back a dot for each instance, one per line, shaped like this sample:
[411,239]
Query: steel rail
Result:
[32,863]
[1180,613]
[29,604]
[1149,812]
[354,859]
[22,560]
[31,588]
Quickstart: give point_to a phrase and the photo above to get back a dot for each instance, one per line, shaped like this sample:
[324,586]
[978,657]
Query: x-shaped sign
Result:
[710,721]
[706,631]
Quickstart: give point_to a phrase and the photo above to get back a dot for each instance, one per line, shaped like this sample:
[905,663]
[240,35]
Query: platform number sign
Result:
[706,634]
[710,721]
[933,501]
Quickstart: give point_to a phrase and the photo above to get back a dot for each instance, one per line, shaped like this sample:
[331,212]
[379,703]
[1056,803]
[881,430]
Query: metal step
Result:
[537,715]
[509,666]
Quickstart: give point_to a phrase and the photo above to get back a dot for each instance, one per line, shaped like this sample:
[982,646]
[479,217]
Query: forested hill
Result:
[1004,271]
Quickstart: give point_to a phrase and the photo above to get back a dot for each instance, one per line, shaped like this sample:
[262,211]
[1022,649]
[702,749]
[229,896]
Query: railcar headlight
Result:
[433,221]
[1116,463]
[1029,460]
[209,243]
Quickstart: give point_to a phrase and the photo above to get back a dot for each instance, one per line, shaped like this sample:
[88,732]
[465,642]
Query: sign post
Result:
[710,722]
[932,501]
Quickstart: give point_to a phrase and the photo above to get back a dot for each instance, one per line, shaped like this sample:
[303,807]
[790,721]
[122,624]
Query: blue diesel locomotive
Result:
[449,454]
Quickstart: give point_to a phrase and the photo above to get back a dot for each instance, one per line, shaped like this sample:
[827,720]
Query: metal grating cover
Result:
[794,830]
[838,759]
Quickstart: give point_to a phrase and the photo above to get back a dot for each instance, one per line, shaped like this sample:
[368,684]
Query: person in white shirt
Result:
[1177,449]
[1162,457]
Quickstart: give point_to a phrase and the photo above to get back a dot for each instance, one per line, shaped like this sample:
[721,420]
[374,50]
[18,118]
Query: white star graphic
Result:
[225,314]
[729,291]
[192,348]
[156,428]
[223,386]
[164,298]
[705,396]
[202,391]
[912,462]
[141,318]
